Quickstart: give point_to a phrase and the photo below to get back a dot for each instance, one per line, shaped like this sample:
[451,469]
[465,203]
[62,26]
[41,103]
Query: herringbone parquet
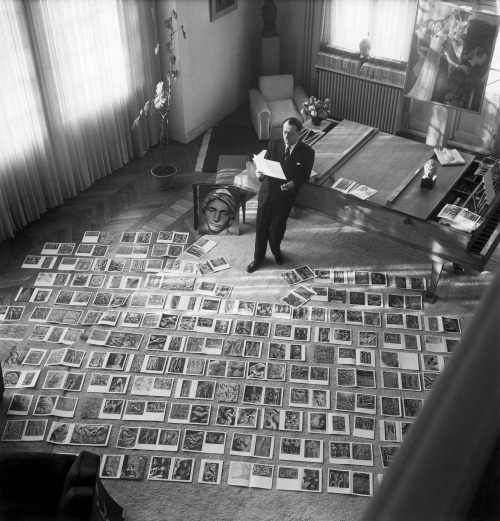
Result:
[126,200]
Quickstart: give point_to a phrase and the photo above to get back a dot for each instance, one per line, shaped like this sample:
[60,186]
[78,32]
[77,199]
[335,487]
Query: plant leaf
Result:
[159,88]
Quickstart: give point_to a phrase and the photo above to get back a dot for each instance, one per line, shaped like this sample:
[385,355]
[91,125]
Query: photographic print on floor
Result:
[162,357]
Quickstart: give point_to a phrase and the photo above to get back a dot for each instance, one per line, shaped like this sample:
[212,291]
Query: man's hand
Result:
[287,186]
[259,174]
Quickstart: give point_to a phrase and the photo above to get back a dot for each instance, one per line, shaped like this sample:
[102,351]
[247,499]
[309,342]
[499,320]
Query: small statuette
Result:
[430,168]
[429,178]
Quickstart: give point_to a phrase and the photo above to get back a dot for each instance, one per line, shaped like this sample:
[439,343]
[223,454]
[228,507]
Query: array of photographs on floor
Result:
[317,362]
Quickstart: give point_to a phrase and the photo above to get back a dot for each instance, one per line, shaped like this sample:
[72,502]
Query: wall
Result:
[289,26]
[298,51]
[218,63]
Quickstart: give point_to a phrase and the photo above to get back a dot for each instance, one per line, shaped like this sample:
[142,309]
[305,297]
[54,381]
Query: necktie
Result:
[287,154]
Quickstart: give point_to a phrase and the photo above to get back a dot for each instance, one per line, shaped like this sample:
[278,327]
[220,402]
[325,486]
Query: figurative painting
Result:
[450,55]
[217,209]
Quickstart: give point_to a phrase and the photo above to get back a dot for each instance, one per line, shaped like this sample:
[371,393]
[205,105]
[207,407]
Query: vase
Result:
[316,120]
[163,176]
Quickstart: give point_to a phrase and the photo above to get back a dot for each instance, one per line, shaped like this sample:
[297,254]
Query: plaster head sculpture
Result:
[365,47]
[219,210]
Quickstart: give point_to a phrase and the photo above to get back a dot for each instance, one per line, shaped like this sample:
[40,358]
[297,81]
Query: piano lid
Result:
[386,163]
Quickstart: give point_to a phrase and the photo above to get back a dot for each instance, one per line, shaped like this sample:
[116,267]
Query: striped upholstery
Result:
[227,168]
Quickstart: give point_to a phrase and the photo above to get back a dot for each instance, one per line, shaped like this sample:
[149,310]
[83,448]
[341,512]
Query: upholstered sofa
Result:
[45,486]
[276,99]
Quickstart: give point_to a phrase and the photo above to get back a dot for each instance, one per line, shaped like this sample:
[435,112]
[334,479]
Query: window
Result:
[73,73]
[388,25]
[22,115]
[87,45]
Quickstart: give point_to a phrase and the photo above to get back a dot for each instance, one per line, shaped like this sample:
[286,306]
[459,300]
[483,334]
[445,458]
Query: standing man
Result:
[276,196]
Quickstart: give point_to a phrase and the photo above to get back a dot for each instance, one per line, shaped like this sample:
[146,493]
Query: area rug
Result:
[229,139]
[311,239]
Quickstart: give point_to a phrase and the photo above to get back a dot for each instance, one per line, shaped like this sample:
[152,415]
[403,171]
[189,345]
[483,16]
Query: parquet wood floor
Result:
[126,200]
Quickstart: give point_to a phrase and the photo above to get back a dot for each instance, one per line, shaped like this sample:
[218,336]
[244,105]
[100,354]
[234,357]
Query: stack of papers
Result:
[460,218]
[346,186]
[448,156]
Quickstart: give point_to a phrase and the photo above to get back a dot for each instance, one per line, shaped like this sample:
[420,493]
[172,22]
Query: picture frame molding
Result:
[215,14]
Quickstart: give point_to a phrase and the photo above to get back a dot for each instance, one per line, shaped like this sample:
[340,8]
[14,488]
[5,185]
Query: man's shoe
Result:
[254,265]
[279,259]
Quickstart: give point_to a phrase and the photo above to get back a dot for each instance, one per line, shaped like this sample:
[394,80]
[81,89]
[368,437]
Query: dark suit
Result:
[274,204]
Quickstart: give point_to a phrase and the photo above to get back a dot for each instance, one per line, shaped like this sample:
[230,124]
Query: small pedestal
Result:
[270,55]
[428,182]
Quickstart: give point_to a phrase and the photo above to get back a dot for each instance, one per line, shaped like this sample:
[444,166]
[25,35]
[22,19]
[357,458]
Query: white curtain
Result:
[307,76]
[388,24]
[75,73]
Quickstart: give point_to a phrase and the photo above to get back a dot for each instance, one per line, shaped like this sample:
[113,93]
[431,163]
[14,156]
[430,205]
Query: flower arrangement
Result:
[316,109]
[159,106]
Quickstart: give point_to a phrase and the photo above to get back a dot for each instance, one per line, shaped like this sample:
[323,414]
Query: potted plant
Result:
[158,107]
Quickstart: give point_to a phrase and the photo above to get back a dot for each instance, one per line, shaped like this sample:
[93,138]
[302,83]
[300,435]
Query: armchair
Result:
[46,486]
[276,99]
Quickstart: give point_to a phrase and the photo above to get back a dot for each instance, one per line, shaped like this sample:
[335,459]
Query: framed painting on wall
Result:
[219,8]
[450,55]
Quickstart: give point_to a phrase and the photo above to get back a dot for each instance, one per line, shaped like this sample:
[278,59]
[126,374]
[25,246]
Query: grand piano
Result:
[401,210]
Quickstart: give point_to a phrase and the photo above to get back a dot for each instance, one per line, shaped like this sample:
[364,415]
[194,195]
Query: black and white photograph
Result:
[217,212]
[248,244]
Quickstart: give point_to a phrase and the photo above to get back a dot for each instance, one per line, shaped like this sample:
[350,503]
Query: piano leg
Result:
[430,294]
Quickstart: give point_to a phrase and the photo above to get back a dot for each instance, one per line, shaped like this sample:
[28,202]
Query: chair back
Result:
[276,87]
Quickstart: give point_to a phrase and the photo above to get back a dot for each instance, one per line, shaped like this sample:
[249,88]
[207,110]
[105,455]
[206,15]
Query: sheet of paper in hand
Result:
[268,167]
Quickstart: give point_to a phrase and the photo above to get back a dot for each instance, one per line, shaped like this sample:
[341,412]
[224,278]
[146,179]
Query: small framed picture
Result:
[220,8]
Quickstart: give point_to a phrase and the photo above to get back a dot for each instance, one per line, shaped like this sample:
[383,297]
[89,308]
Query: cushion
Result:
[281,110]
[277,87]
[78,488]
[232,162]
[76,504]
[226,177]
[31,483]
[229,166]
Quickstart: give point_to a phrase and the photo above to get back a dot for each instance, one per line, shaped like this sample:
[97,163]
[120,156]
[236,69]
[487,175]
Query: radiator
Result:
[362,100]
